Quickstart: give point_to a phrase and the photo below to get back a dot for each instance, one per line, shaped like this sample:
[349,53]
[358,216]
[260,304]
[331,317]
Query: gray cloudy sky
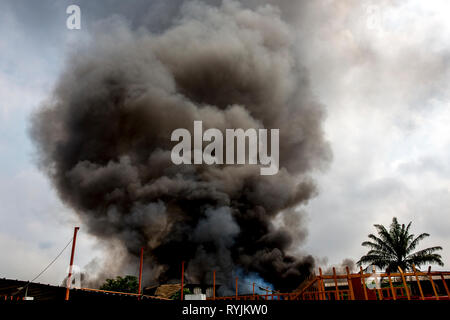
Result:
[380,67]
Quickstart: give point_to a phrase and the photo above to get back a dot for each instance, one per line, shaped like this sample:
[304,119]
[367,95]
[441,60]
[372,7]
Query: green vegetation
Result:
[177,295]
[126,284]
[394,248]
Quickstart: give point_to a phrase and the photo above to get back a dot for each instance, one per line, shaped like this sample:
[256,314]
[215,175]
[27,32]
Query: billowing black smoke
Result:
[104,140]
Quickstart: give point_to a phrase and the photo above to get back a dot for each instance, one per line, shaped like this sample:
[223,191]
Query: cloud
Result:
[34,225]
[385,89]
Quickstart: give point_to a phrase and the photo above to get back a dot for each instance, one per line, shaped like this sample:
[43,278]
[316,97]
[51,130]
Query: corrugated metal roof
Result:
[41,292]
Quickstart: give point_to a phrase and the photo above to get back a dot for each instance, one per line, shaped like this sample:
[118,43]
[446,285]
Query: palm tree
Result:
[394,248]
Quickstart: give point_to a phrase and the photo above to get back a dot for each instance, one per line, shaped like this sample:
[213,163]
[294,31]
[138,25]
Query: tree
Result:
[394,248]
[177,295]
[126,284]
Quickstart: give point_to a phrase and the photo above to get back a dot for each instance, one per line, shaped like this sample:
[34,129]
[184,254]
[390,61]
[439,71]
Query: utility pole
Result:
[69,278]
[214,285]
[140,272]
[182,279]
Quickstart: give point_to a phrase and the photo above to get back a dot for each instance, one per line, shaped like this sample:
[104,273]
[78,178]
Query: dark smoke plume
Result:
[341,268]
[104,140]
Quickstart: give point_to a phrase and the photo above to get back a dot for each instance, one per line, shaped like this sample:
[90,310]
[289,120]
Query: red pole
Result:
[140,271]
[214,285]
[69,278]
[182,279]
[236,287]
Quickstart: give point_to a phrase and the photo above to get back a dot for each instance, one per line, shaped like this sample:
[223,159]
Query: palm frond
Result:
[393,248]
[413,244]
